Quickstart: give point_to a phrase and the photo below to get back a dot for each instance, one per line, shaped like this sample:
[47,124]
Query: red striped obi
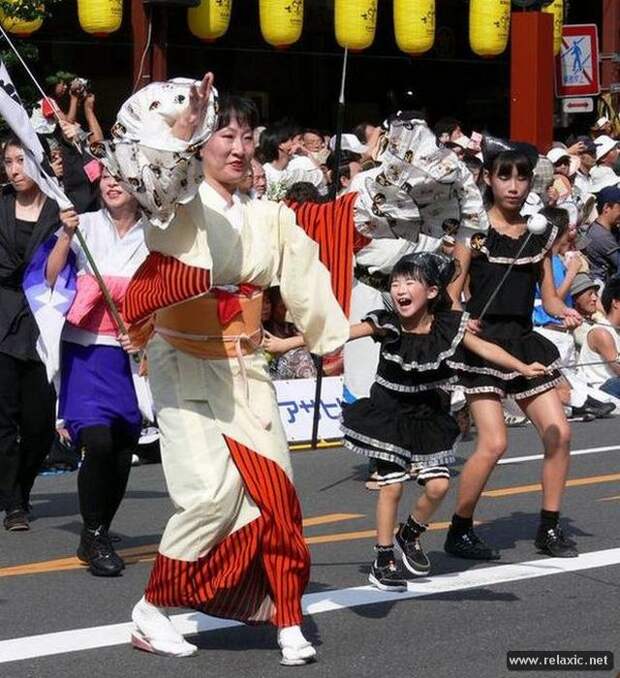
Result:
[176,301]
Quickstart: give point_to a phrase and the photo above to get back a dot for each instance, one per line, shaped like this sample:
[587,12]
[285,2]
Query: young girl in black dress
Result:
[405,424]
[508,323]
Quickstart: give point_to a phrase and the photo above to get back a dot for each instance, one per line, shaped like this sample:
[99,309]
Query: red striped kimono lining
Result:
[258,573]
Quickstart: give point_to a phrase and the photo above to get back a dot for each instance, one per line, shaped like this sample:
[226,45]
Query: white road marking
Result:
[574,453]
[76,640]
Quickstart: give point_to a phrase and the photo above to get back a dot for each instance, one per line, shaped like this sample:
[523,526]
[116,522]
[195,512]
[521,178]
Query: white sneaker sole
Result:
[382,587]
[292,656]
[163,649]
[411,568]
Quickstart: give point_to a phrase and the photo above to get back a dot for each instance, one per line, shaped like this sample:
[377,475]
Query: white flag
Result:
[35,162]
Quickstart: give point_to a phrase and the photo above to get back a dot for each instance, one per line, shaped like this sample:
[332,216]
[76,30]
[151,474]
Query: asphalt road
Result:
[459,622]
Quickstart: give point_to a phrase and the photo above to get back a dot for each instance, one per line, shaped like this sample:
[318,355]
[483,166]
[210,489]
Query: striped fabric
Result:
[331,226]
[160,282]
[258,573]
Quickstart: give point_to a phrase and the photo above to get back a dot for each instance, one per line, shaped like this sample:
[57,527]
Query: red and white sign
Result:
[578,105]
[577,67]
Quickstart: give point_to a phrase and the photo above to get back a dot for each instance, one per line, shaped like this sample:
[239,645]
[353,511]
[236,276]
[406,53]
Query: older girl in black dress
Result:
[508,323]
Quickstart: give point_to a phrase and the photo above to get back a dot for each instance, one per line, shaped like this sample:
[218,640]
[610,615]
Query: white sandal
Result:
[296,650]
[155,633]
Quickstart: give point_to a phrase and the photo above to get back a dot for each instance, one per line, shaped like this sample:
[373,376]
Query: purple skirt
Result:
[96,389]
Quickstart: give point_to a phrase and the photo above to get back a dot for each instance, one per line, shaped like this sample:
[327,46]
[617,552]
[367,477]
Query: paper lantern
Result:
[17,26]
[100,17]
[356,22]
[557,9]
[281,21]
[489,26]
[414,25]
[209,21]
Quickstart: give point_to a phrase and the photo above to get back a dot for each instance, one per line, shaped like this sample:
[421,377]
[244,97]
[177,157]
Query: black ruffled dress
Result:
[508,321]
[406,421]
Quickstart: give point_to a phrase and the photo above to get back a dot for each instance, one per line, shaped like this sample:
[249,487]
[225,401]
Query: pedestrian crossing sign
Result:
[577,64]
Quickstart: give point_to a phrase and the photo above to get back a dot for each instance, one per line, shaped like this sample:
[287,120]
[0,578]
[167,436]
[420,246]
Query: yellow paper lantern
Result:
[489,26]
[281,21]
[414,25]
[209,21]
[557,9]
[356,22]
[18,26]
[100,17]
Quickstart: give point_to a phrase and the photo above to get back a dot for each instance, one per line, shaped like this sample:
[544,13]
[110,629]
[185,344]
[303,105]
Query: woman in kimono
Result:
[97,399]
[234,547]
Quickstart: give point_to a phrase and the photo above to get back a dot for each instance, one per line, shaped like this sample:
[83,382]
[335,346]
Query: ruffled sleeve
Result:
[502,249]
[415,188]
[420,352]
[158,169]
[386,321]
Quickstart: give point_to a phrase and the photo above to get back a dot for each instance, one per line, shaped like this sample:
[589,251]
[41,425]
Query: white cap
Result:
[604,144]
[601,122]
[349,142]
[556,153]
[602,177]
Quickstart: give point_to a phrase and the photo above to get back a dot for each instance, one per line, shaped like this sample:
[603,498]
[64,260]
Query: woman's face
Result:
[114,196]
[14,168]
[226,157]
[509,189]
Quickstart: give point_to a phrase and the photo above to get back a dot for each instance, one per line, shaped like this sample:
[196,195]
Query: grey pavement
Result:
[464,633]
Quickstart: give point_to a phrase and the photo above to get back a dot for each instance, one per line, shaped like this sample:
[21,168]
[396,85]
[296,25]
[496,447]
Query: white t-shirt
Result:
[596,375]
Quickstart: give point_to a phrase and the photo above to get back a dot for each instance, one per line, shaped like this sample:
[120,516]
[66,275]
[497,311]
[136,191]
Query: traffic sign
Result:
[577,64]
[578,105]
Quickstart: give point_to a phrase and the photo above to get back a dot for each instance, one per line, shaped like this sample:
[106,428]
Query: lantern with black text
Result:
[356,22]
[414,25]
[281,21]
[489,26]
[209,21]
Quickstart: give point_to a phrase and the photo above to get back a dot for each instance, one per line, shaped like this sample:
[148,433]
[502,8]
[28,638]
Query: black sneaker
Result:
[601,409]
[390,577]
[17,521]
[469,545]
[552,542]
[414,558]
[97,552]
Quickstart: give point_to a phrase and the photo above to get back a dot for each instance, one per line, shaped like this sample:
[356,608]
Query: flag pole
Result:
[334,195]
[100,281]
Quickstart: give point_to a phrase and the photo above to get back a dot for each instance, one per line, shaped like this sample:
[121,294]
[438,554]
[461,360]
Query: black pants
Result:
[27,416]
[104,472]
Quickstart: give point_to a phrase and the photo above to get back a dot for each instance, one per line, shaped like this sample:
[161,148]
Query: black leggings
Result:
[104,472]
[27,407]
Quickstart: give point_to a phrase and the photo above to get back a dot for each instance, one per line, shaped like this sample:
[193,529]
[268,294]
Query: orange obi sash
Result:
[194,327]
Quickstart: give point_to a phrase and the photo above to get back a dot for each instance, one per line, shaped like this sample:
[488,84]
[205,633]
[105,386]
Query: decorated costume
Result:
[99,388]
[234,547]
[508,321]
[406,422]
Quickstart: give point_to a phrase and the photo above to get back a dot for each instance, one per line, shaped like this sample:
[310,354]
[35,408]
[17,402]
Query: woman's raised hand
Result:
[191,119]
[70,221]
